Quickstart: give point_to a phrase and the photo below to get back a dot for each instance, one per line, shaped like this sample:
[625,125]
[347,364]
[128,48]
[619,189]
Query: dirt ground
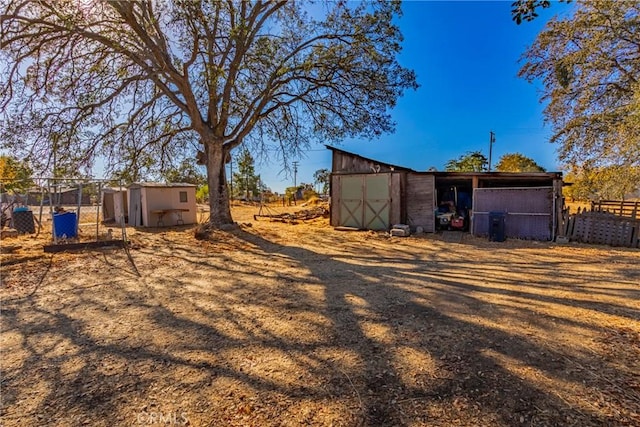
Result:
[299,324]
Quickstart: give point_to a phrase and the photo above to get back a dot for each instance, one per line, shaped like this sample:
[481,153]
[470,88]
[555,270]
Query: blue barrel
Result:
[65,224]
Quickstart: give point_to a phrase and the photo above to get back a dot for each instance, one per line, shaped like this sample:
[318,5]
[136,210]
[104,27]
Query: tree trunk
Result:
[220,210]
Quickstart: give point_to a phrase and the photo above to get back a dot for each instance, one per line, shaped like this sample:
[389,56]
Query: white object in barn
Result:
[400,230]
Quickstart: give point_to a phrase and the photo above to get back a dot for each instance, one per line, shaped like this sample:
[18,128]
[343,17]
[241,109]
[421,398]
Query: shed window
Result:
[183,197]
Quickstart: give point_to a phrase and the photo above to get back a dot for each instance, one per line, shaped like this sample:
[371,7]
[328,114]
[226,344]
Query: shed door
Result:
[119,207]
[351,204]
[135,207]
[529,211]
[377,202]
[365,201]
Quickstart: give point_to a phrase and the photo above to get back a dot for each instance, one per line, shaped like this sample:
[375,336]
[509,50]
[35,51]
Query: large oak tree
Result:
[589,65]
[139,81]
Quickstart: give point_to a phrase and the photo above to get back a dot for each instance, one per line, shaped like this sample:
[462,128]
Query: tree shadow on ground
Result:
[465,349]
[394,340]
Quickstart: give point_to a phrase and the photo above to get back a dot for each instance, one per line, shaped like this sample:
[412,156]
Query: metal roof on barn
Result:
[162,185]
[462,175]
[366,159]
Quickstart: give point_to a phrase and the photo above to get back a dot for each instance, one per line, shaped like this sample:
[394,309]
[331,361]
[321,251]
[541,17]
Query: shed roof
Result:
[113,189]
[498,175]
[462,175]
[161,185]
[388,165]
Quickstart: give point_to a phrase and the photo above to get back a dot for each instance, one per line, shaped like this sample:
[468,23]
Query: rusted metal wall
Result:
[529,211]
[420,201]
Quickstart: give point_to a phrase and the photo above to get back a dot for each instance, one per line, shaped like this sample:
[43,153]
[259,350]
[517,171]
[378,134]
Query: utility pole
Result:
[492,140]
[295,173]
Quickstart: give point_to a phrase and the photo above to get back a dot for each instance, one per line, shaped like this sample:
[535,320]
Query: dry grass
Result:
[279,324]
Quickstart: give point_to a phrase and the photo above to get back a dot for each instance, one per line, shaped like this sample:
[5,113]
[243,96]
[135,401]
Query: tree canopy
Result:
[15,175]
[186,172]
[527,10]
[589,67]
[602,183]
[516,162]
[473,161]
[146,84]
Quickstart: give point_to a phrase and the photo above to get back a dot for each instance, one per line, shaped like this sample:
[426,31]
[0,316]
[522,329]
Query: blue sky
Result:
[465,55]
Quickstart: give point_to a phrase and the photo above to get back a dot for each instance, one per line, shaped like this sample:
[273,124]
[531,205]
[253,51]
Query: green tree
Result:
[307,191]
[290,193]
[473,161]
[322,177]
[186,172]
[516,162]
[588,65]
[245,181]
[202,194]
[602,183]
[138,81]
[15,175]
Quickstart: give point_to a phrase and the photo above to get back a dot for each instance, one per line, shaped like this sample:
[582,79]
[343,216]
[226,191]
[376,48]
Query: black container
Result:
[497,226]
[23,222]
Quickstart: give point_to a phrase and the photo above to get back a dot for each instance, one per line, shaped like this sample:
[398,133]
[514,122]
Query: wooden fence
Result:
[602,225]
[621,208]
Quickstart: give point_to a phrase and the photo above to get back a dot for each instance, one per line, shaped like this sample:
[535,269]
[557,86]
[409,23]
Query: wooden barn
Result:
[369,194]
[152,204]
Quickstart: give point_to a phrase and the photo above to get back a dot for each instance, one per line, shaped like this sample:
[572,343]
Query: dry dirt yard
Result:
[288,325]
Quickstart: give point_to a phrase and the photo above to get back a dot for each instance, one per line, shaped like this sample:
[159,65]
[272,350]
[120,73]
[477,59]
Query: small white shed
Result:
[162,205]
[114,205]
